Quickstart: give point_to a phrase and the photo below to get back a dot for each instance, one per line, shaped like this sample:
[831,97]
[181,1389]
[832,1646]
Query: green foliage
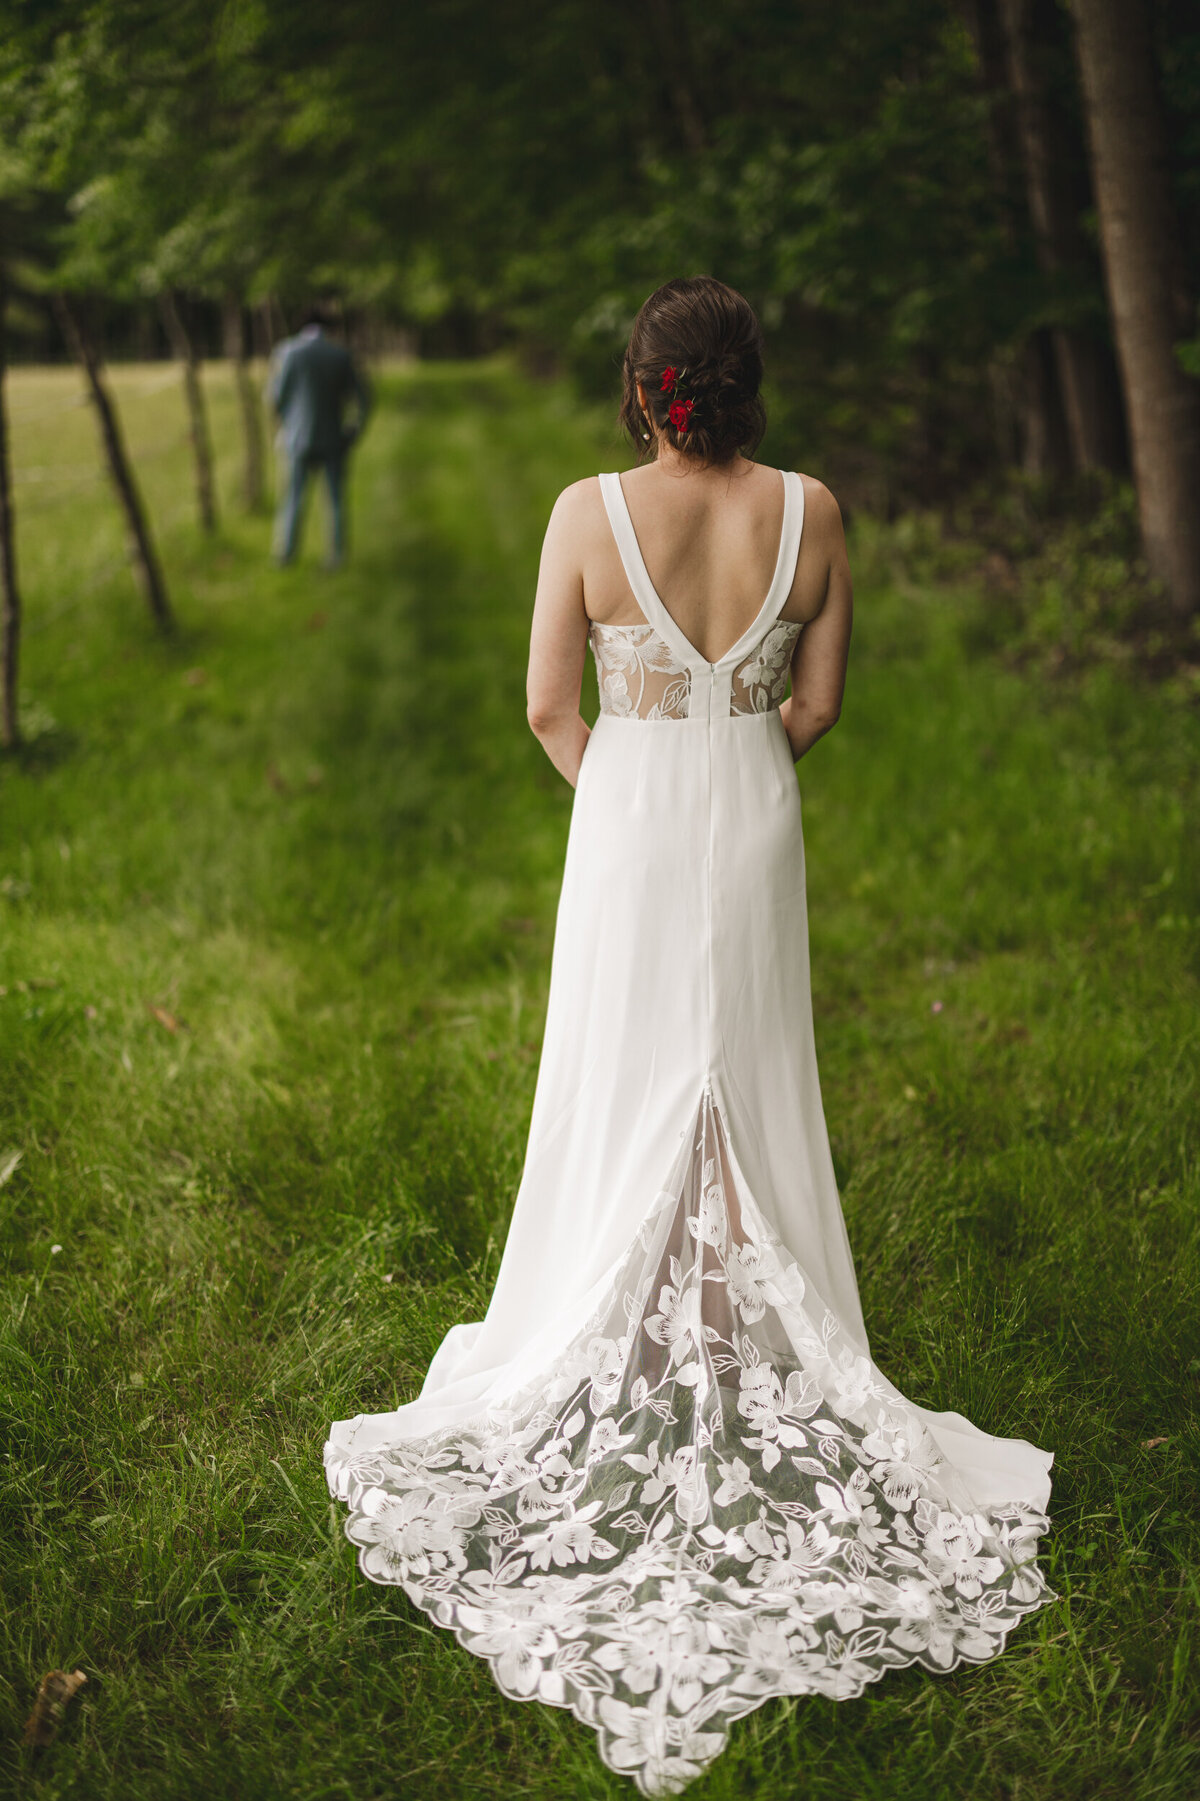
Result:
[456,163]
[1046,576]
[333,860]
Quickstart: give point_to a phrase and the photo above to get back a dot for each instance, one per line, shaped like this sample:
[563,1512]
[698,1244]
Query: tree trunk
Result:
[142,553]
[10,594]
[987,33]
[1086,378]
[1030,385]
[248,400]
[1146,285]
[1045,440]
[669,25]
[185,351]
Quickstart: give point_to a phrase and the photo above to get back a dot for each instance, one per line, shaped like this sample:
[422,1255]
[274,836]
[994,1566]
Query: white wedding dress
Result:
[663,1480]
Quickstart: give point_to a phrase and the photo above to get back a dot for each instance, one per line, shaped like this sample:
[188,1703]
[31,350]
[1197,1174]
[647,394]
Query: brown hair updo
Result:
[710,336]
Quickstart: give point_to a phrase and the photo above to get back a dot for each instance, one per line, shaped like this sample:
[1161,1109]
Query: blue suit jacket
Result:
[311,383]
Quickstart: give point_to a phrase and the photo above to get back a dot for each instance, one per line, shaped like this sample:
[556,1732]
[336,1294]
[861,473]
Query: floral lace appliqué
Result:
[639,676]
[760,684]
[713,1497]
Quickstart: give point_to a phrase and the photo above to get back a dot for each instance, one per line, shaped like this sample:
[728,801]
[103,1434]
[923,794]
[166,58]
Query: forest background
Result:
[279,858]
[971,227]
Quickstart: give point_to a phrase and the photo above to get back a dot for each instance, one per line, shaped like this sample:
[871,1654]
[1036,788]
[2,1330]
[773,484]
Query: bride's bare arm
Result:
[819,665]
[558,640]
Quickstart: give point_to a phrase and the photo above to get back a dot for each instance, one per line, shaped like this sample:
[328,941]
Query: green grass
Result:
[335,859]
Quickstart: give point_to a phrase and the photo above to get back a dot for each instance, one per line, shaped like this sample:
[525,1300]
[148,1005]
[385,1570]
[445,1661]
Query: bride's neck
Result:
[675,462]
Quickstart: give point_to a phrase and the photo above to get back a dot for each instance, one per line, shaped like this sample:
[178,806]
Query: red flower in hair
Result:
[680,414]
[668,380]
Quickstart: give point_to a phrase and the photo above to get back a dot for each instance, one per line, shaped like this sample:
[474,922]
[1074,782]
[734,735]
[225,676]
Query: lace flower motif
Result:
[641,678]
[760,684]
[713,1497]
[639,675]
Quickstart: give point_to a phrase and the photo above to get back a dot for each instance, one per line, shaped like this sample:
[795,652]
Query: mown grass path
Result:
[316,836]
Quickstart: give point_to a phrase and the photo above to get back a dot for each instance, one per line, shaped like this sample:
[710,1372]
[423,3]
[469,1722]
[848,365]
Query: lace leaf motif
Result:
[714,1498]
[641,678]
[639,675]
[760,684]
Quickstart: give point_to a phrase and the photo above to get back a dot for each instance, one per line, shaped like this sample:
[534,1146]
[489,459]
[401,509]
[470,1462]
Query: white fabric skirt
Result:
[663,1479]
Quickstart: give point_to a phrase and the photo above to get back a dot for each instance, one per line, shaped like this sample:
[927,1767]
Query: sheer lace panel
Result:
[639,676]
[760,684]
[714,1497]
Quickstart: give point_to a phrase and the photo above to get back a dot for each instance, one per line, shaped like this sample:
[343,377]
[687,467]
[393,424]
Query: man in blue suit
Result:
[312,381]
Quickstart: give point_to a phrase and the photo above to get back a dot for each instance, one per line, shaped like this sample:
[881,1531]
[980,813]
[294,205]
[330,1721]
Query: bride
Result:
[663,1480]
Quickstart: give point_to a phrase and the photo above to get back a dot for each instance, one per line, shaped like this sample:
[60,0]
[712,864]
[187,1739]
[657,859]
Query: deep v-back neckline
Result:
[655,609]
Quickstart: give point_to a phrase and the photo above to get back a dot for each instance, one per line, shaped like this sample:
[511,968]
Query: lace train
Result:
[715,1498]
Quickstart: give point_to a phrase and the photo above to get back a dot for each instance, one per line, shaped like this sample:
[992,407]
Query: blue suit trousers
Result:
[301,466]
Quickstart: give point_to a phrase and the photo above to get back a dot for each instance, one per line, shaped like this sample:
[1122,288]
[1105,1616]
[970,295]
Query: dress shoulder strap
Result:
[647,597]
[789,545]
[636,573]
[785,571]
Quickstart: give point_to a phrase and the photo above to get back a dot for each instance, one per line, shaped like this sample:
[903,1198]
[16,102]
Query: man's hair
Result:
[316,315]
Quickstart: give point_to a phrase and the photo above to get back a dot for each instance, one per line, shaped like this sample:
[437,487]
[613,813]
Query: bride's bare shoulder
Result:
[579,512]
[822,514]
[580,498]
[819,501]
